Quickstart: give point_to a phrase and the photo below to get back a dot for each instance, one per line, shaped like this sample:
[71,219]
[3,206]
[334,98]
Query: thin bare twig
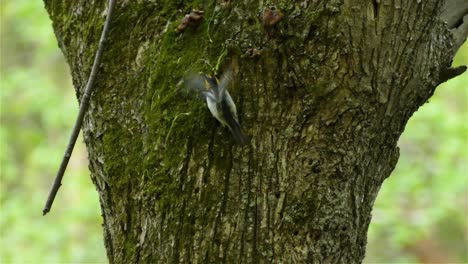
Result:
[83,108]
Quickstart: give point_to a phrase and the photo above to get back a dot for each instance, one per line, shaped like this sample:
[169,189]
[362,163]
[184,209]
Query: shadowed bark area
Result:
[324,95]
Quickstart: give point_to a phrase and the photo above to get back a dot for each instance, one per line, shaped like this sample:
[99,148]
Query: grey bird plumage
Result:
[219,101]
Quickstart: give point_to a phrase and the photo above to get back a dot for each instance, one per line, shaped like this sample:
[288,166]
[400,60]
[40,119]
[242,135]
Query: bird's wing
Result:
[209,94]
[225,80]
[195,82]
[231,105]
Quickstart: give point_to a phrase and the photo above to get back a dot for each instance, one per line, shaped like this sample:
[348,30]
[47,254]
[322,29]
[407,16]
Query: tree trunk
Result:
[324,95]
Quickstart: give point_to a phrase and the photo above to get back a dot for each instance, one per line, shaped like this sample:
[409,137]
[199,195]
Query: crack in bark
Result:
[375,5]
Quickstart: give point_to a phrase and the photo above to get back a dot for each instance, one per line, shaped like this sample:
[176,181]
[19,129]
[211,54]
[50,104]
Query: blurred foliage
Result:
[38,108]
[419,215]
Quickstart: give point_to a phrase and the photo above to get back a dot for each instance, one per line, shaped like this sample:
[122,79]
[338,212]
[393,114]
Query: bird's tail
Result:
[239,136]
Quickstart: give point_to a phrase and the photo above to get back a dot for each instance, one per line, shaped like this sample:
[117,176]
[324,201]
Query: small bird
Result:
[219,101]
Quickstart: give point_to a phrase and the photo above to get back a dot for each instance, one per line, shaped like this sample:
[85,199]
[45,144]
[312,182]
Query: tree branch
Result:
[455,13]
[83,108]
[460,33]
[450,73]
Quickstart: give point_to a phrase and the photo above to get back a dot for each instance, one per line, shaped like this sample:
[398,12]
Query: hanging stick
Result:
[83,108]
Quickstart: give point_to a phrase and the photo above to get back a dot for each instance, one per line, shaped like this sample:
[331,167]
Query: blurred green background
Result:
[420,215]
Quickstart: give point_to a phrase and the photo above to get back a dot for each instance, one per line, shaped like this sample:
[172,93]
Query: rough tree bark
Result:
[324,95]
